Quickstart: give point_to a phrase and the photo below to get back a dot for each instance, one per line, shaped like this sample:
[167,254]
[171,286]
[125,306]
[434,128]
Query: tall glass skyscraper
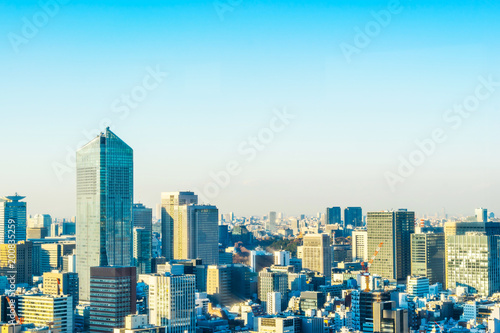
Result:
[12,219]
[105,191]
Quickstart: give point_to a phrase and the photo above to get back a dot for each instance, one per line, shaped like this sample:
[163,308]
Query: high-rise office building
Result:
[143,218]
[105,190]
[462,228]
[12,219]
[43,309]
[317,254]
[172,302]
[481,215]
[23,267]
[272,222]
[173,218]
[333,215]
[427,256]
[203,238]
[228,284]
[272,281]
[142,250]
[112,297]
[56,283]
[353,216]
[360,245]
[473,262]
[394,229]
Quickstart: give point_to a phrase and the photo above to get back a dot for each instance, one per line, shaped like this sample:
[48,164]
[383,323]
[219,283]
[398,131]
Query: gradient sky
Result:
[353,120]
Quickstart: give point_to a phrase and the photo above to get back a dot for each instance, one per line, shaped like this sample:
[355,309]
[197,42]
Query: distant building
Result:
[173,219]
[282,258]
[139,324]
[394,229]
[317,254]
[12,219]
[272,281]
[142,250]
[428,256]
[360,245]
[333,215]
[353,216]
[481,215]
[272,222]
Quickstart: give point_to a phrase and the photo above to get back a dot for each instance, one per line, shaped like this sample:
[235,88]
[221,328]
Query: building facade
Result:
[12,219]
[105,190]
[394,229]
[317,254]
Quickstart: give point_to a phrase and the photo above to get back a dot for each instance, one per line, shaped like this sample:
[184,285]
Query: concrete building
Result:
[274,303]
[12,219]
[394,229]
[112,297]
[417,286]
[272,281]
[317,254]
[105,192]
[172,302]
[386,318]
[139,324]
[279,325]
[481,215]
[22,252]
[203,238]
[173,216]
[56,283]
[282,258]
[473,262]
[428,257]
[42,309]
[360,245]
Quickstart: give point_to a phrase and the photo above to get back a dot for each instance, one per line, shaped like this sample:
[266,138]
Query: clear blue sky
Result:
[353,119]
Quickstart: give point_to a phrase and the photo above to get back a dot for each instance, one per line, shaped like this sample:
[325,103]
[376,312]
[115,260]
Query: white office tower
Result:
[42,309]
[417,286]
[360,245]
[282,258]
[172,302]
[317,254]
[274,303]
[482,215]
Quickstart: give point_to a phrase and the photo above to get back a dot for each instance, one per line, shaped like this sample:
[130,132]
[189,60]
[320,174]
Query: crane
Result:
[367,267]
